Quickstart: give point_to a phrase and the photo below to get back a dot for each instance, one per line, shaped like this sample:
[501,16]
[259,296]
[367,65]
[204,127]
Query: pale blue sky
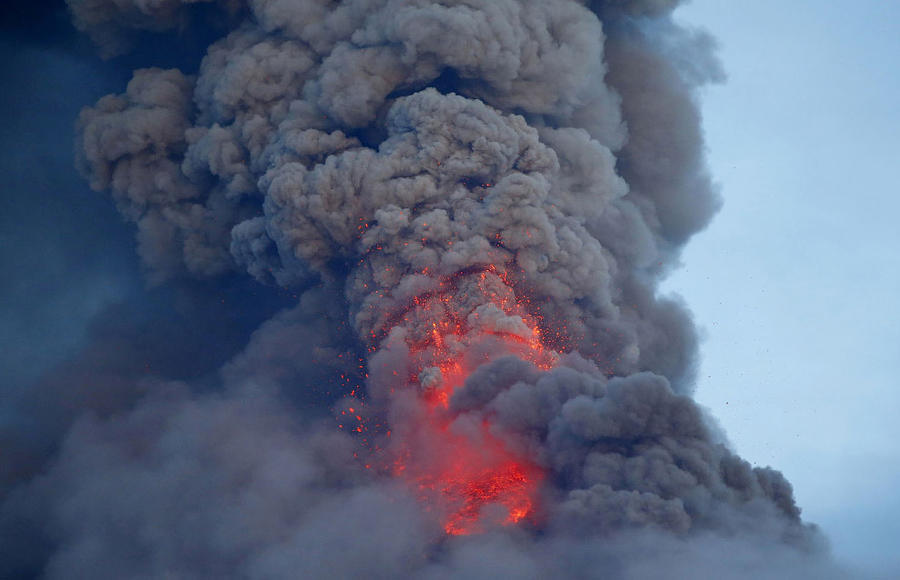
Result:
[796,281]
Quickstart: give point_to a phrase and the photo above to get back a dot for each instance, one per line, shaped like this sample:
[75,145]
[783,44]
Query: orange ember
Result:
[468,473]
[510,486]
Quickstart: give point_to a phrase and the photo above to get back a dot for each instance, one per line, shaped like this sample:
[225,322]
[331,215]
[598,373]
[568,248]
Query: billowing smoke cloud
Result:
[470,205]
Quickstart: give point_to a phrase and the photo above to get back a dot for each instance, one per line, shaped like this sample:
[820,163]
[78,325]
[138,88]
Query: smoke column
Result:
[468,206]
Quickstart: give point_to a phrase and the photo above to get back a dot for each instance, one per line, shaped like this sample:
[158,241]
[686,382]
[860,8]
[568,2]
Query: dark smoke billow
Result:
[469,206]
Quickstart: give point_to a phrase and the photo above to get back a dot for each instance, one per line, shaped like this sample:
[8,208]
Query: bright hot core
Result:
[460,466]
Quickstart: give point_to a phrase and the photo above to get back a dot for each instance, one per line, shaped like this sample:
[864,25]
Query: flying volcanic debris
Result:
[473,203]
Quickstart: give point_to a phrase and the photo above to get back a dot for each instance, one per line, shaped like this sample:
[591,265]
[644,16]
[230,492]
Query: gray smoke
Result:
[364,155]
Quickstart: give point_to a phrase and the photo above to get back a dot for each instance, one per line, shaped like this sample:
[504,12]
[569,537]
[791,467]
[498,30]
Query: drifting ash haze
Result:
[473,203]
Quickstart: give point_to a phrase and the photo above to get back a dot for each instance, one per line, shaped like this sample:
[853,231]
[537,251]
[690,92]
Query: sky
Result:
[796,280]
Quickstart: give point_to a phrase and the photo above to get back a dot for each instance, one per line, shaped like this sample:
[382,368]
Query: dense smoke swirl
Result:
[494,189]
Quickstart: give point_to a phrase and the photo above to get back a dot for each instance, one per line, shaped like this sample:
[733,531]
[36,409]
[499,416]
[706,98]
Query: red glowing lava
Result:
[465,471]
[510,487]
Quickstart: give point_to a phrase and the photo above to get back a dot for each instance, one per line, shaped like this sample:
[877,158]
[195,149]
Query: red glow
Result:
[508,485]
[466,472]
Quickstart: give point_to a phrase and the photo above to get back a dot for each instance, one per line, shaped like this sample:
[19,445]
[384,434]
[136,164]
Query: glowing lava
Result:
[458,464]
[509,487]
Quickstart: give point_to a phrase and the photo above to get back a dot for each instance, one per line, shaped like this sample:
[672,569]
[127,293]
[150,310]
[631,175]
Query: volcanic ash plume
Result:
[476,201]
